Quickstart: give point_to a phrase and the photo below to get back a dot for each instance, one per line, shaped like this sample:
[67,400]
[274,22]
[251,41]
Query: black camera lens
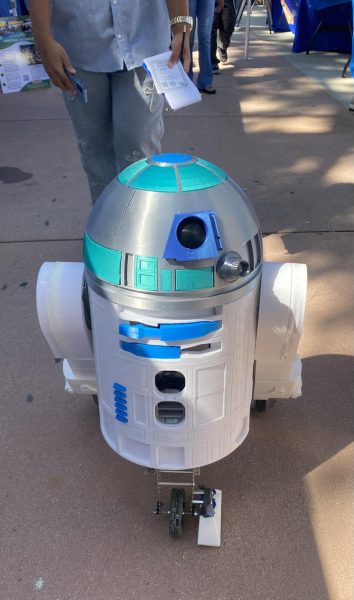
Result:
[191,232]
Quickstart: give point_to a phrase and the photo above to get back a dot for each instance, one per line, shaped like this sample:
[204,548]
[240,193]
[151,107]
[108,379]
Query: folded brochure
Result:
[173,82]
[21,66]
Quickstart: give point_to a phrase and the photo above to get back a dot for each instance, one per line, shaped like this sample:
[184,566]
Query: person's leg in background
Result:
[203,11]
[92,124]
[137,112]
[226,28]
[214,42]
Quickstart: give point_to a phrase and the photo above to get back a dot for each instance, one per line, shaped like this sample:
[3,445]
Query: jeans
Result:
[202,11]
[121,123]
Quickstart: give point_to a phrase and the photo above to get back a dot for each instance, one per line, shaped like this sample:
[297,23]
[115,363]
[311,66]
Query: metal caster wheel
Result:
[176,512]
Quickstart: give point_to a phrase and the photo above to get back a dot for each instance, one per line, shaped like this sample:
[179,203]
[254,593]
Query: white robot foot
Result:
[209,531]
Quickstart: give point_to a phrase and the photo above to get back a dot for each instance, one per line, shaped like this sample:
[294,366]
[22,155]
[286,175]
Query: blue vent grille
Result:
[120,402]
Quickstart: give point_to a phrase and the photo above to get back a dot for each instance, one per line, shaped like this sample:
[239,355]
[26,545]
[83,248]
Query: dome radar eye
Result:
[191,232]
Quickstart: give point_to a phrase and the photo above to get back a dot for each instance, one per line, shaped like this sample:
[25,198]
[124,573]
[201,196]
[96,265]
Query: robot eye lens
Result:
[191,232]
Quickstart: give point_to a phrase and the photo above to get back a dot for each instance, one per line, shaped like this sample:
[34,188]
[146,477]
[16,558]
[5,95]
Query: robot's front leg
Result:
[204,502]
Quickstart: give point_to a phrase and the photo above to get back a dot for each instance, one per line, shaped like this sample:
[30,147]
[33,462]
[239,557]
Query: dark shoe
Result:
[216,69]
[207,90]
[222,55]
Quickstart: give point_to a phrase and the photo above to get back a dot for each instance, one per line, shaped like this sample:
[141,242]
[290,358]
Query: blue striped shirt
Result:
[106,35]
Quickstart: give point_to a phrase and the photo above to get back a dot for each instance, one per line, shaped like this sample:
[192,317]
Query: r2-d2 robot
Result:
[175,323]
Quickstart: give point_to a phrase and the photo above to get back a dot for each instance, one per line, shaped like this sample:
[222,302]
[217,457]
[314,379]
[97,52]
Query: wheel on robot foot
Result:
[176,512]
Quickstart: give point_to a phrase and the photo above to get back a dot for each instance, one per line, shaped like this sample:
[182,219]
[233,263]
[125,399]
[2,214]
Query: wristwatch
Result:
[185,20]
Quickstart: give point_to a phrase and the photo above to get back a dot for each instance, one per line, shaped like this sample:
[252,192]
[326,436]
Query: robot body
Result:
[184,325]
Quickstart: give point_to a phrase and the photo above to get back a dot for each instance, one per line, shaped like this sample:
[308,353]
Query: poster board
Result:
[21,66]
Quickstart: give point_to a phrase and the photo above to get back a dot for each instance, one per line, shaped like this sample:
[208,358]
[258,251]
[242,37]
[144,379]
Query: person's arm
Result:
[55,59]
[180,33]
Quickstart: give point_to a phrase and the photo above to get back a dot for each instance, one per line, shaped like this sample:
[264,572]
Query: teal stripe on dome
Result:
[156,179]
[219,172]
[197,177]
[103,262]
[145,175]
[131,171]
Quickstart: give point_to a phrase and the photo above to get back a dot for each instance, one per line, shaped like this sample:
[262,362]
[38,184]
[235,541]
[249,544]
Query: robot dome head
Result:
[173,223]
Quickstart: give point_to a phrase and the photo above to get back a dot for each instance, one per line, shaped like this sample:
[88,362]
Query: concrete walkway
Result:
[76,519]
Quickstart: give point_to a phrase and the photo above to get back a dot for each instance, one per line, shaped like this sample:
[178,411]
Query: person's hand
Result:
[177,50]
[219,6]
[56,62]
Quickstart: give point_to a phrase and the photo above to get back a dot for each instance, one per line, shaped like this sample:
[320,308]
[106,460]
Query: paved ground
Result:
[77,520]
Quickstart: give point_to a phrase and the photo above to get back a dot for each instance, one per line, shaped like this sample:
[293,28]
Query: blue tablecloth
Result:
[334,36]
[305,16]
[280,22]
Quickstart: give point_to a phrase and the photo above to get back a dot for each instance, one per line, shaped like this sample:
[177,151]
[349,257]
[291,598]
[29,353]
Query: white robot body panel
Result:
[281,314]
[61,311]
[218,369]
[180,413]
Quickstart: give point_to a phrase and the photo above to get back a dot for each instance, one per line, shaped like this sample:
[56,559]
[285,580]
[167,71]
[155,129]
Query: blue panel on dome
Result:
[208,249]
[172,158]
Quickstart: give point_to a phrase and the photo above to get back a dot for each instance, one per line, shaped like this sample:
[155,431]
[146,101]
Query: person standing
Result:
[224,23]
[202,12]
[103,43]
